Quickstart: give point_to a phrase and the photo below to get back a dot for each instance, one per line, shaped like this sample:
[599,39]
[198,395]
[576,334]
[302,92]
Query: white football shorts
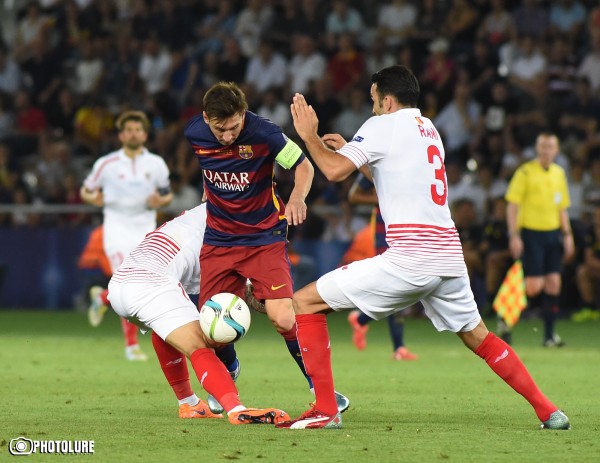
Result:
[378,288]
[162,307]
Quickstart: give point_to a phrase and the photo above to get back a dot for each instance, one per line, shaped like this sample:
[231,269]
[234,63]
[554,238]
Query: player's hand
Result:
[295,211]
[515,245]
[569,247]
[333,140]
[93,197]
[153,201]
[305,119]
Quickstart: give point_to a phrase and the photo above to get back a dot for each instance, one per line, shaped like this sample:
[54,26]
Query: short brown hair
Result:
[136,116]
[224,100]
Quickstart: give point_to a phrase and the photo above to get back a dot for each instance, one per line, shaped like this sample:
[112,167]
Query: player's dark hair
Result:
[136,116]
[399,82]
[224,100]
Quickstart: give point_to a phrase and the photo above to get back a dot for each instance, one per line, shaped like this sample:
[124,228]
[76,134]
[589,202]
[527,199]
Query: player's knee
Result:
[283,322]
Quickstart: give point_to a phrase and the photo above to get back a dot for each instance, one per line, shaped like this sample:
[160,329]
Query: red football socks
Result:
[104,297]
[313,337]
[174,366]
[507,364]
[130,332]
[215,378]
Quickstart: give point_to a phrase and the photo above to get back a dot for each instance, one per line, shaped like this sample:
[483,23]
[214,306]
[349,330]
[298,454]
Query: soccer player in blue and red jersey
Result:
[246,225]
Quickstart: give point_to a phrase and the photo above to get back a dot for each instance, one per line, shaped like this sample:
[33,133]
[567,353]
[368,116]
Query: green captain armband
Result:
[288,156]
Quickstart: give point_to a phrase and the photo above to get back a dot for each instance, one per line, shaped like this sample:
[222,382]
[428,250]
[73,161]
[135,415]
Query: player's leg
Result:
[452,307]
[359,322]
[396,326]
[552,287]
[228,357]
[214,377]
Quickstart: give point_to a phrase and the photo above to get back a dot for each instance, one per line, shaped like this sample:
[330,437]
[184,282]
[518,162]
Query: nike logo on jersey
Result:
[275,288]
[503,355]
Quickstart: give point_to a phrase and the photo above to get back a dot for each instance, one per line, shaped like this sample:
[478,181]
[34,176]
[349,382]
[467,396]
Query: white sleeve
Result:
[360,150]
[95,178]
[162,174]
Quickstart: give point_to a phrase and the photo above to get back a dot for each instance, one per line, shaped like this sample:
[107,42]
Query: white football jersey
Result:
[406,157]
[172,250]
[126,183]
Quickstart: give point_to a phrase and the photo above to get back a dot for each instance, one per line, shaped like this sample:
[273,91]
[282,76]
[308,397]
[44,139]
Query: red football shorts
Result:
[225,269]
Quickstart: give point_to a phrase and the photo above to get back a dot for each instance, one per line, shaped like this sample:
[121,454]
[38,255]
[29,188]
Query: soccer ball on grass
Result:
[225,318]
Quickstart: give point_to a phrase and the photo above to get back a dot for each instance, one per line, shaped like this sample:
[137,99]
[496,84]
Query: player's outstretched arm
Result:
[295,209]
[333,165]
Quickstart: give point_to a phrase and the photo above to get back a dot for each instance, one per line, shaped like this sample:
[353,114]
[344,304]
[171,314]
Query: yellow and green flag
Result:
[511,299]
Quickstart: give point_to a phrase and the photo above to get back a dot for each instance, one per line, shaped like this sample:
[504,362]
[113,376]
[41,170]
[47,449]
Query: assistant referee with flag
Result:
[539,228]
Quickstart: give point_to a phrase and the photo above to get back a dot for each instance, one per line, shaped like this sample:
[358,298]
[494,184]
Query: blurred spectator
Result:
[288,21]
[350,119]
[498,109]
[61,114]
[464,215]
[312,21]
[214,27]
[307,63]
[42,69]
[461,25]
[31,120]
[121,69]
[347,66]
[89,70]
[378,56]
[590,65]
[93,126]
[561,75]
[531,18]
[266,70]
[142,21]
[457,121]
[185,197]
[591,191]
[588,273]
[567,18]
[325,104]
[482,68]
[580,112]
[497,25]
[528,71]
[9,175]
[31,28]
[440,70]
[7,118]
[155,65]
[175,24]
[430,20]
[252,22]
[576,180]
[396,21]
[343,17]
[232,64]
[273,108]
[10,74]
[494,249]
[183,75]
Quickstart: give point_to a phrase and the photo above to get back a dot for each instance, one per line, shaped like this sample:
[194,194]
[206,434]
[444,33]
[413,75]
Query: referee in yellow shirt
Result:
[539,228]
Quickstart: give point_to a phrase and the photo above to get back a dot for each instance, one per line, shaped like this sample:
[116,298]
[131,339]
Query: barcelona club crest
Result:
[246,151]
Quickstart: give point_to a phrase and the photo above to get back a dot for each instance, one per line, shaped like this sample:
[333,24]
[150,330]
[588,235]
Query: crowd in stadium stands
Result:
[494,73]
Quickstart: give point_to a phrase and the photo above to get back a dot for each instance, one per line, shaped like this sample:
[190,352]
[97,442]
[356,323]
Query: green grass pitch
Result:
[62,379]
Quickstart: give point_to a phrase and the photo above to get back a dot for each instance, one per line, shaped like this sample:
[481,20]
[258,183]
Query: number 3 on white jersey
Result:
[433,152]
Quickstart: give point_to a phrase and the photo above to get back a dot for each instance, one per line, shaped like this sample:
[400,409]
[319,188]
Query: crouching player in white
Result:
[150,289]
